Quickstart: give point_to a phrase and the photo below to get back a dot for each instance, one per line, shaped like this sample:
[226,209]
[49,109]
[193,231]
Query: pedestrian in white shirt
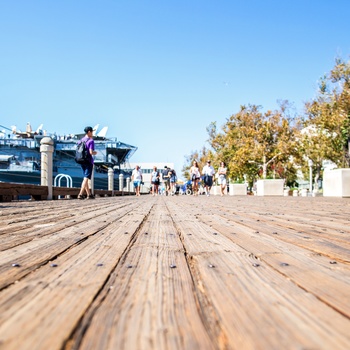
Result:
[137,179]
[208,172]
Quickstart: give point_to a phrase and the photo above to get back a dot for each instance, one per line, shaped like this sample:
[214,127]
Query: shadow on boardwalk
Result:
[175,273]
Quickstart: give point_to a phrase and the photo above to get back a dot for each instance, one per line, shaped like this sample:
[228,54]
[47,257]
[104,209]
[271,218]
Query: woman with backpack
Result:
[87,164]
[173,179]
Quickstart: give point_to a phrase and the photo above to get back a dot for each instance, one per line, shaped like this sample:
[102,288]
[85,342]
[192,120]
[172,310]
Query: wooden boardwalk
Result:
[175,273]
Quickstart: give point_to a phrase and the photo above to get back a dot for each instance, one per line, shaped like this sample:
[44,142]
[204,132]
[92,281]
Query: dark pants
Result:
[87,169]
[208,180]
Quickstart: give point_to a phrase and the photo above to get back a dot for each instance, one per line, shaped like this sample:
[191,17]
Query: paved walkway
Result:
[178,272]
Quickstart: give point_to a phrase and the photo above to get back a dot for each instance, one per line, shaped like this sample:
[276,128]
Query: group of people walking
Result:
[169,178]
[168,175]
[208,174]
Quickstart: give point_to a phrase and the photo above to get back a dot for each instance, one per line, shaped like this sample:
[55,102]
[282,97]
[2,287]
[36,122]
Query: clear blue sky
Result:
[157,72]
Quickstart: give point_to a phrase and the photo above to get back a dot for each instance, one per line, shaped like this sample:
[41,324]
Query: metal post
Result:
[121,183]
[46,149]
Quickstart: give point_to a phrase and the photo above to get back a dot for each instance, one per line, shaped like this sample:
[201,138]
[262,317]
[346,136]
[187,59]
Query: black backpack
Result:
[81,153]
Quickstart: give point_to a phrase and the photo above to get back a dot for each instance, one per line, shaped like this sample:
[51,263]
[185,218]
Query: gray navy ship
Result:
[20,156]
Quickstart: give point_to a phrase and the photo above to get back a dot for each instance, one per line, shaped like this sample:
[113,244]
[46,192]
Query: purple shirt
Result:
[90,144]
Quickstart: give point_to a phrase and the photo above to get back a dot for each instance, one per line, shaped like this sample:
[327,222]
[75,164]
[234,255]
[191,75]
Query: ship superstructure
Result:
[20,156]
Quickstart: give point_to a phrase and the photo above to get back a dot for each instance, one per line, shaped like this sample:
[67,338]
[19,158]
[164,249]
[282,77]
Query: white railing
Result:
[59,177]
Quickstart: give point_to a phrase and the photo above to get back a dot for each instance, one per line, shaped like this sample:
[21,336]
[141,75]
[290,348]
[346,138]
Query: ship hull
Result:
[22,177]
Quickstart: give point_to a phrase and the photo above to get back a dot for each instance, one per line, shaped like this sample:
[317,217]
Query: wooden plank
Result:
[237,284]
[299,221]
[49,219]
[254,297]
[297,264]
[22,189]
[33,253]
[297,231]
[59,296]
[9,191]
[266,241]
[152,305]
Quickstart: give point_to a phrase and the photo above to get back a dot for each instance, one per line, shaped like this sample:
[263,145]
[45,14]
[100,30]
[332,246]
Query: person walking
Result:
[166,179]
[222,177]
[208,172]
[195,176]
[88,166]
[155,180]
[173,179]
[136,177]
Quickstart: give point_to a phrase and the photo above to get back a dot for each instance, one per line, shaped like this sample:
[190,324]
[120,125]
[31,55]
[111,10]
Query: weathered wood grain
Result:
[59,295]
[152,304]
[175,273]
[243,278]
[41,245]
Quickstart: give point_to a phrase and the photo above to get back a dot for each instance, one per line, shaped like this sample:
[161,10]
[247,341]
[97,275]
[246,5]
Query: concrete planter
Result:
[304,192]
[273,187]
[336,183]
[238,189]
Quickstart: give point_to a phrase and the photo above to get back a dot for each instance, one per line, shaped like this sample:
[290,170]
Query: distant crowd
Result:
[85,151]
[167,177]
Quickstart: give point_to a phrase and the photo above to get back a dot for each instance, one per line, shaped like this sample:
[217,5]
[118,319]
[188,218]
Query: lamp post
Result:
[310,169]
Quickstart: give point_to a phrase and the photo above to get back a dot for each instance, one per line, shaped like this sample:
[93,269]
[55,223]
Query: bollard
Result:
[46,149]
[121,183]
[128,184]
[110,179]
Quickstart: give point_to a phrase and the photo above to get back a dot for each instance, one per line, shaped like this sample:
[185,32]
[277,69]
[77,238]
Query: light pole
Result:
[310,169]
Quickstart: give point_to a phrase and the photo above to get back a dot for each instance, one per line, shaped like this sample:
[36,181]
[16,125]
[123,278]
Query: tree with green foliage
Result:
[255,144]
[273,144]
[200,156]
[327,128]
